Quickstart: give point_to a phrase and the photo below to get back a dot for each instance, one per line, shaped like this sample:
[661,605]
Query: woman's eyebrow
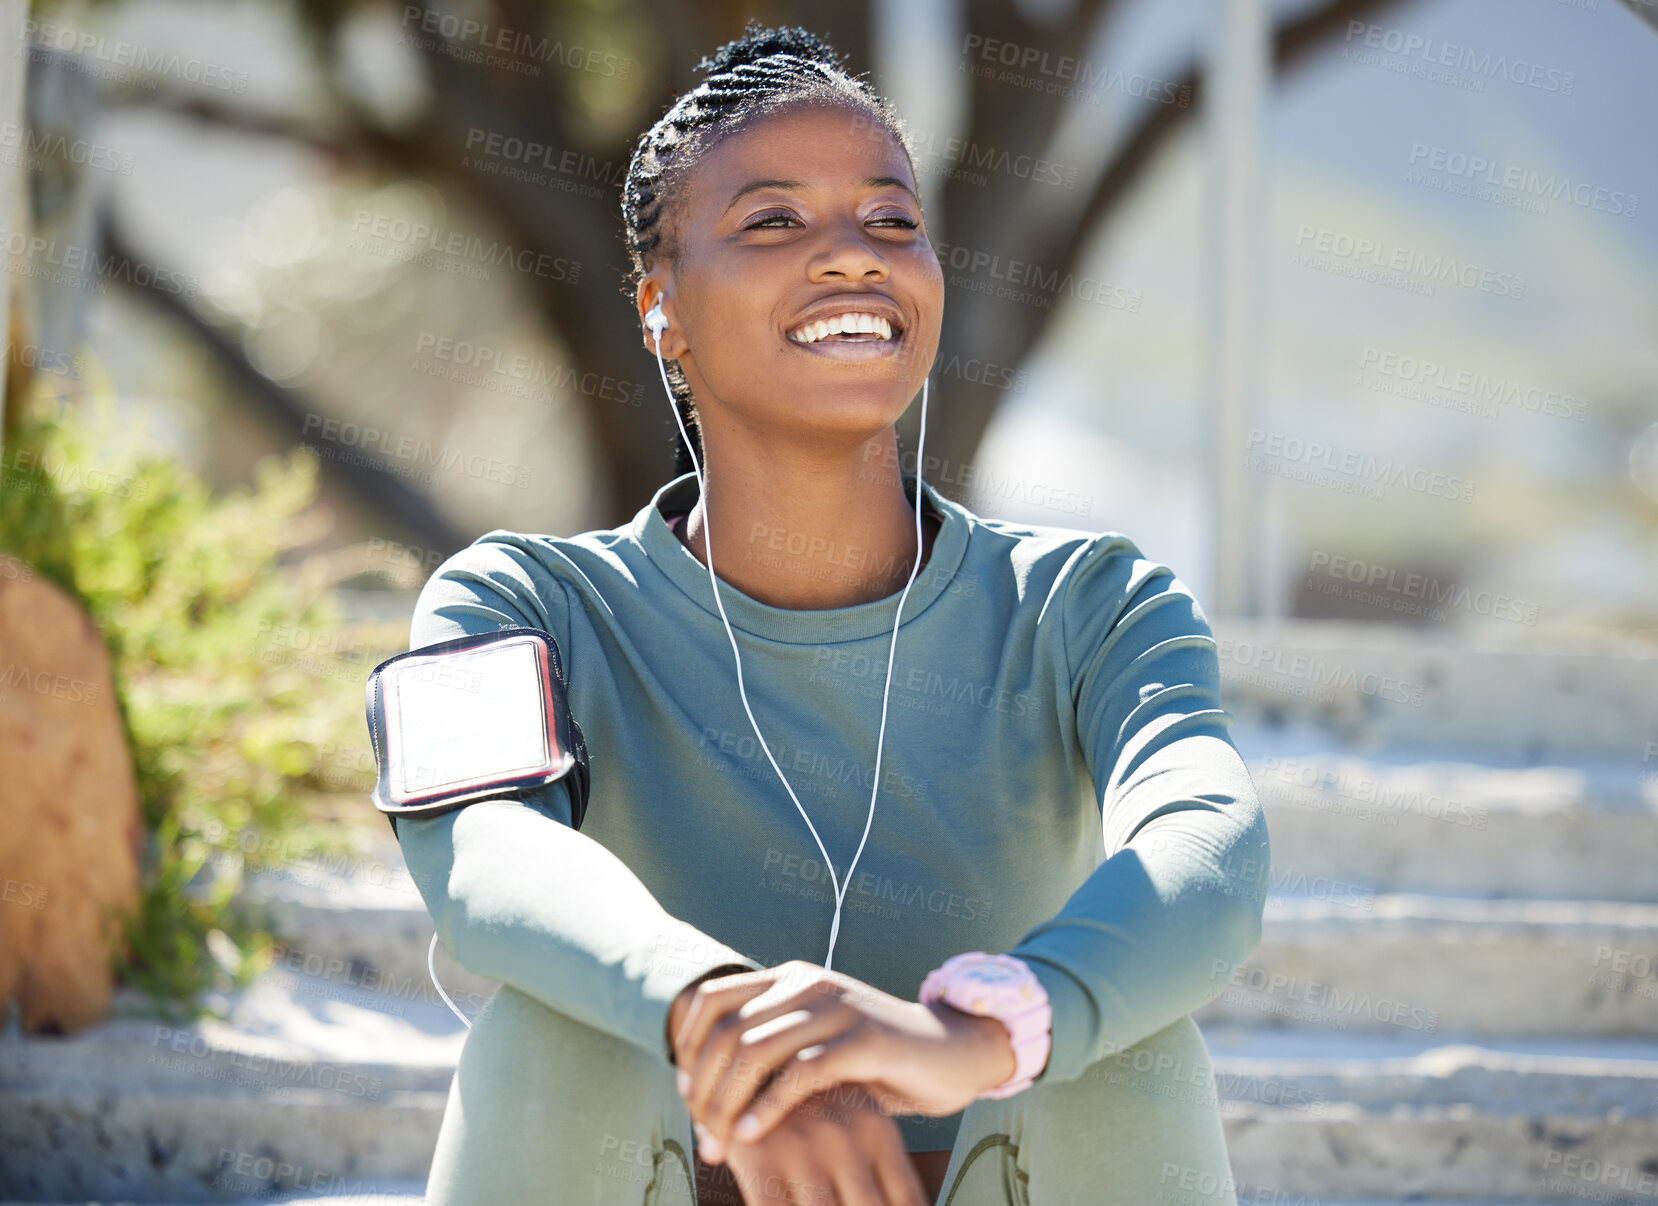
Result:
[755,186]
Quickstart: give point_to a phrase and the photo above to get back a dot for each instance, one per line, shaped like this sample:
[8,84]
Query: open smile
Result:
[852,335]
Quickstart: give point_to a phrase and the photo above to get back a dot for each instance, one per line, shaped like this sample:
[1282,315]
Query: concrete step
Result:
[305,1086]
[1506,689]
[1331,1117]
[1336,956]
[1409,819]
[299,1091]
[359,923]
[1430,965]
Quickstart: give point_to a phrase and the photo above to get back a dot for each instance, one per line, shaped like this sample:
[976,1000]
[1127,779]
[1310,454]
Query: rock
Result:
[70,828]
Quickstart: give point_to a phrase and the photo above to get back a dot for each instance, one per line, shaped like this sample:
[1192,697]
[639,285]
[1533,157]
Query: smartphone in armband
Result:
[473,718]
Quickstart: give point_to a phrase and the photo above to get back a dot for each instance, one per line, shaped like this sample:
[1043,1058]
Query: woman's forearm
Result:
[520,897]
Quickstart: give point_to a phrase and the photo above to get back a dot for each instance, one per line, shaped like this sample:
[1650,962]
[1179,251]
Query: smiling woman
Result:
[1054,693]
[761,229]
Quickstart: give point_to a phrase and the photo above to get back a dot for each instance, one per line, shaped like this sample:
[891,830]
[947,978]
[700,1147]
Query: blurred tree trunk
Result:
[998,217]
[13,373]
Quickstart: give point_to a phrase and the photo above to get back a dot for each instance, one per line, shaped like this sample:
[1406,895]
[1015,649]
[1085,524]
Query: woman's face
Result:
[801,216]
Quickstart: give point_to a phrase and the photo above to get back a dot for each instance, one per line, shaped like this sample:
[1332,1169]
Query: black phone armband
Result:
[473,718]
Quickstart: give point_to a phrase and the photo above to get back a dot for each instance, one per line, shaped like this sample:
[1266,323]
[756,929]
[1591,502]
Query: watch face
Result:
[992,973]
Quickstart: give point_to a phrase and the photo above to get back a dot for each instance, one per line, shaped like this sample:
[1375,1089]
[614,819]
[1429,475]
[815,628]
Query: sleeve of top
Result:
[516,894]
[1161,924]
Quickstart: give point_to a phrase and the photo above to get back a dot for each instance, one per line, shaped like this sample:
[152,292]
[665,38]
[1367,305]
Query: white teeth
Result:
[840,324]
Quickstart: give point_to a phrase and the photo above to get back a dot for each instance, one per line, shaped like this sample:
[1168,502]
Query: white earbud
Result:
[656,320]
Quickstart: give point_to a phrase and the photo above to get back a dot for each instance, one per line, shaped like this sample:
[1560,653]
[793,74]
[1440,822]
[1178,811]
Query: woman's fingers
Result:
[856,1184]
[808,1071]
[895,1173]
[791,1169]
[753,997]
[835,1149]
[879,1170]
[737,1068]
[714,999]
[710,1002]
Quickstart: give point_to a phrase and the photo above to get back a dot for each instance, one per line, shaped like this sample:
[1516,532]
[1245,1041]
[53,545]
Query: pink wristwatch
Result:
[1005,988]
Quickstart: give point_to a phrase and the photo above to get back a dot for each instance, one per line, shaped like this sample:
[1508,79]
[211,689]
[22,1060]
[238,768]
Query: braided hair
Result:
[758,73]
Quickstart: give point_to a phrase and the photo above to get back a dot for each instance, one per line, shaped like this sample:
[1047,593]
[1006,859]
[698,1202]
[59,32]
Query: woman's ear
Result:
[656,312]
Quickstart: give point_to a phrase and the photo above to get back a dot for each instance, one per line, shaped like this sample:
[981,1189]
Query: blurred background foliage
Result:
[229,733]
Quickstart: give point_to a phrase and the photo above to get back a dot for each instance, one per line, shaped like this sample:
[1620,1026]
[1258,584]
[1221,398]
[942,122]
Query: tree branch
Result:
[369,484]
[990,329]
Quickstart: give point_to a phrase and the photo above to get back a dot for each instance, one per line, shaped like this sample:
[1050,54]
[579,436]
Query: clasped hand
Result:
[752,1046]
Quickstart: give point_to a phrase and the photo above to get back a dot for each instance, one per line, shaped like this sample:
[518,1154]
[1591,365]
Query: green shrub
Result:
[229,716]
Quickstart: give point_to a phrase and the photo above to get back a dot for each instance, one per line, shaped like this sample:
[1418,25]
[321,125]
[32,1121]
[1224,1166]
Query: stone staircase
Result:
[1456,997]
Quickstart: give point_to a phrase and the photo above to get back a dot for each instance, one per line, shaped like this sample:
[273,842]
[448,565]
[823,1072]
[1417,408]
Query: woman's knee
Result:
[543,1106]
[1140,1121]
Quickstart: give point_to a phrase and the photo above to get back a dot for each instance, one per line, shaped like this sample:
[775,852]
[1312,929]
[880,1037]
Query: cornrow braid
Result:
[760,72]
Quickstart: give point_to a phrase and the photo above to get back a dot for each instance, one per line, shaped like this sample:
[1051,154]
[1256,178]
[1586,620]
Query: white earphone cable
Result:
[433,972]
[702,484]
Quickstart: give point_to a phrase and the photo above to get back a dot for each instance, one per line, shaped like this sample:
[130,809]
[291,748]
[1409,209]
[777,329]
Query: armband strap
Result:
[473,718]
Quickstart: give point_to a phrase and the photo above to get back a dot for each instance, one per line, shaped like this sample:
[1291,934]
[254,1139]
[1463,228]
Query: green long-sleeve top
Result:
[1057,781]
